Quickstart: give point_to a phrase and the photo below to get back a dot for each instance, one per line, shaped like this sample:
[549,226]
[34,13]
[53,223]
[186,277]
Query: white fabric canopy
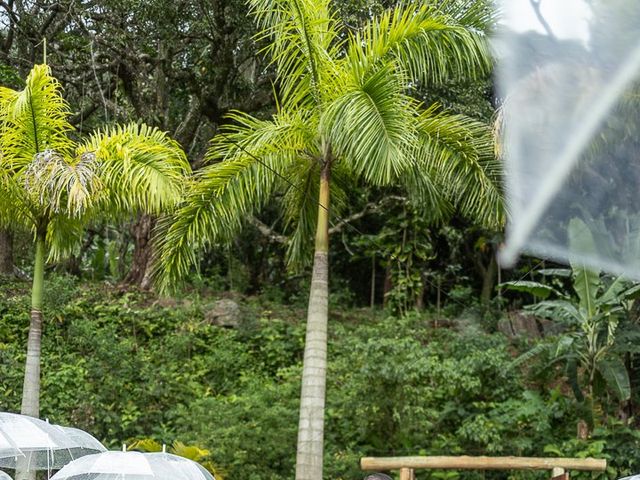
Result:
[569,77]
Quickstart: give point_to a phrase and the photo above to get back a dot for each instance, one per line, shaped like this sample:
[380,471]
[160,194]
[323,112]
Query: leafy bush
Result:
[129,366]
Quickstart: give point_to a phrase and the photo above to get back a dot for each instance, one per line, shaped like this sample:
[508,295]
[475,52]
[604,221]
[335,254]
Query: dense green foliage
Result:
[425,371]
[181,66]
[126,366]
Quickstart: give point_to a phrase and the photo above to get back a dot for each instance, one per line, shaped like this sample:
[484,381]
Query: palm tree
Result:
[344,114]
[53,186]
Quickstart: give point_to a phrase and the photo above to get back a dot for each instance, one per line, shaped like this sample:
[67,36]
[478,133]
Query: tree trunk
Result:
[314,370]
[373,282]
[420,294]
[31,388]
[489,280]
[6,252]
[387,285]
[140,272]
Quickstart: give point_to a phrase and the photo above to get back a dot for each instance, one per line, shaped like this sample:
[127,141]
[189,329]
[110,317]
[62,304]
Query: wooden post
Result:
[559,473]
[406,474]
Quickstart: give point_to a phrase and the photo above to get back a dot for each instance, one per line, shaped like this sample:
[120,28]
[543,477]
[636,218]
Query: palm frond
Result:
[252,157]
[435,44]
[371,123]
[301,211]
[34,119]
[64,235]
[291,130]
[220,198]
[301,207]
[140,168]
[16,208]
[424,193]
[459,152]
[302,43]
[479,15]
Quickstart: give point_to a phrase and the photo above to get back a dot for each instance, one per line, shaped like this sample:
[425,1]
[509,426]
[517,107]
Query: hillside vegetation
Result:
[128,366]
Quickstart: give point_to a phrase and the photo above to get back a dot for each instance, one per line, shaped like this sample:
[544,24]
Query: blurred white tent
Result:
[569,76]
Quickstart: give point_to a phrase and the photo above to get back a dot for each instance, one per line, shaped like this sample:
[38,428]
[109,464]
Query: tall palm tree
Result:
[53,186]
[345,113]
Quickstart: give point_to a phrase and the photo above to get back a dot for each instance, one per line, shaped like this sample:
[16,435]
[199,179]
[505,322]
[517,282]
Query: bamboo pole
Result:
[406,474]
[482,463]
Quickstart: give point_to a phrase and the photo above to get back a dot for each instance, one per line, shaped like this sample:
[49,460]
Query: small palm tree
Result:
[52,186]
[344,114]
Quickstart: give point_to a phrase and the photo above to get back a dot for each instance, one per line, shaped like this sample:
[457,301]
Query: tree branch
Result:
[268,231]
[370,207]
[55,9]
[535,4]
[84,114]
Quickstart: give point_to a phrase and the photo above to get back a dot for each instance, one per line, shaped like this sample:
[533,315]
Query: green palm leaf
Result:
[140,167]
[16,211]
[433,43]
[223,194]
[301,36]
[479,15]
[64,235]
[301,207]
[215,207]
[34,120]
[459,153]
[370,125]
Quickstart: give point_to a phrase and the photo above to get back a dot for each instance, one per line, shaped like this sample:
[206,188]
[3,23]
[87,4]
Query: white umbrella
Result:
[569,74]
[5,476]
[133,466]
[87,443]
[32,444]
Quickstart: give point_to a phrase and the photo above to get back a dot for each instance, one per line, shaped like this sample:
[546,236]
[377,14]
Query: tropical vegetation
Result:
[217,148]
[52,187]
[344,115]
[127,366]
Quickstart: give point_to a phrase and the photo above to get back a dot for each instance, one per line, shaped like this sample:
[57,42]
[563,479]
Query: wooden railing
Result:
[407,465]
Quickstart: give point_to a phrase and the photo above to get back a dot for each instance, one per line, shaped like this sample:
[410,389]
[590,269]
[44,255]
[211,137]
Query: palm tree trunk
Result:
[31,388]
[314,370]
[6,252]
[489,280]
